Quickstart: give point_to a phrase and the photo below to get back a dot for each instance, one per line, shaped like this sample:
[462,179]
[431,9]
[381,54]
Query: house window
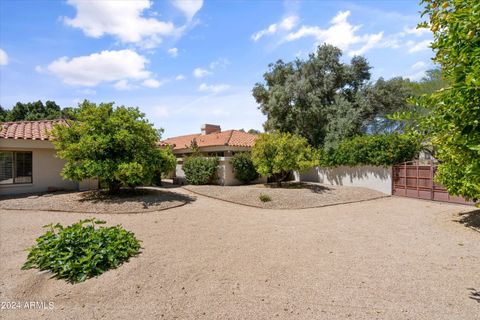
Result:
[15,167]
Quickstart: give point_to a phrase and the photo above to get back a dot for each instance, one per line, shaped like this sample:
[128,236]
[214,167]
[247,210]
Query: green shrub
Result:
[200,170]
[275,155]
[376,150]
[264,197]
[81,251]
[243,167]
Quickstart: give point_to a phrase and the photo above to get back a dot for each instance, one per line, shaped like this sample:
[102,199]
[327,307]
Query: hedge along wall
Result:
[372,150]
[363,161]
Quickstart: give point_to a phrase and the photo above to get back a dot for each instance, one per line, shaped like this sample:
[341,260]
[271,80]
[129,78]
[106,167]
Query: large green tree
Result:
[3,114]
[325,100]
[117,145]
[453,118]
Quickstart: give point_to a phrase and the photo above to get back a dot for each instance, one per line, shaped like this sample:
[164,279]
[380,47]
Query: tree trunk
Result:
[114,187]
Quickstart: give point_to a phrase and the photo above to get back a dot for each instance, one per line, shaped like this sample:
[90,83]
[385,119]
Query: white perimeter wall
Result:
[373,177]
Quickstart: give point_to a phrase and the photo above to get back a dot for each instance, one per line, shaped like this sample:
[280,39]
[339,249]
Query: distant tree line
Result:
[32,111]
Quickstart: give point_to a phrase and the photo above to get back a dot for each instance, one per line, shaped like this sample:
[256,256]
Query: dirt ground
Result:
[290,196]
[391,258]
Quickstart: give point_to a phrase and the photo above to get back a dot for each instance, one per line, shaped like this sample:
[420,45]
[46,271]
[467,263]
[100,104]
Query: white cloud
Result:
[416,76]
[219,63]
[372,42]
[152,83]
[122,85]
[213,88]
[173,52]
[341,34]
[286,24]
[180,77]
[418,70]
[122,19]
[419,65]
[106,66]
[418,46]
[200,73]
[417,32]
[161,112]
[3,58]
[189,7]
[87,91]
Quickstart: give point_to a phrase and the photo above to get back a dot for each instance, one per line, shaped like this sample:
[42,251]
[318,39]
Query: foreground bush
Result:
[275,155]
[375,150]
[200,170]
[81,251]
[243,167]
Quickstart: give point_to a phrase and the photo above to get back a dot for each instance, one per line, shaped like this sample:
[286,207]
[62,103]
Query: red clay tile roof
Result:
[231,138]
[31,130]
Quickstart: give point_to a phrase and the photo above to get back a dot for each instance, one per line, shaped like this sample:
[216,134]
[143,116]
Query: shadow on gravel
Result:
[474,294]
[299,185]
[471,219]
[147,197]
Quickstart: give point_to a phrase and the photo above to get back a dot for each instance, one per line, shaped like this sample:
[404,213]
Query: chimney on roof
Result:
[210,128]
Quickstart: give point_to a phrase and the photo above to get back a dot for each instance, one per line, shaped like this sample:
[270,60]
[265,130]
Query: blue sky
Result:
[190,62]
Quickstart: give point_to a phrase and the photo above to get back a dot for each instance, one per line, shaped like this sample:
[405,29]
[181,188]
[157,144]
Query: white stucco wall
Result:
[45,168]
[226,177]
[373,177]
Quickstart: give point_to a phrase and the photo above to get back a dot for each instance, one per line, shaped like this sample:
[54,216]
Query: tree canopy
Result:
[117,145]
[325,100]
[35,111]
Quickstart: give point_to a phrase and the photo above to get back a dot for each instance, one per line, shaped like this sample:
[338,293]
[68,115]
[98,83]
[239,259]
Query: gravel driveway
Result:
[390,258]
[296,196]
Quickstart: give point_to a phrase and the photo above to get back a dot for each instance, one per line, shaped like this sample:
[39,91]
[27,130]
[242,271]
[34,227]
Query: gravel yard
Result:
[137,201]
[390,259]
[289,196]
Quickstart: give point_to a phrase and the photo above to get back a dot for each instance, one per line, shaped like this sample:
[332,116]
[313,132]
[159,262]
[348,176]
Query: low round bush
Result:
[200,170]
[243,167]
[81,250]
[264,198]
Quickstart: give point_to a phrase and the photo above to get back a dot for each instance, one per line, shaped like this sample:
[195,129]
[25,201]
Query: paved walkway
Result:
[390,258]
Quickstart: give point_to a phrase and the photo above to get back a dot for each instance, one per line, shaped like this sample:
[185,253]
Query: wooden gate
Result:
[414,180]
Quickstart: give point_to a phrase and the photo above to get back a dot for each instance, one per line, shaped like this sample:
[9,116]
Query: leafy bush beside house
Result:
[275,155]
[200,170]
[117,145]
[81,251]
[243,167]
[375,150]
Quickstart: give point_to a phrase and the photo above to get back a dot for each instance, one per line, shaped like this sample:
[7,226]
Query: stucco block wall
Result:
[225,174]
[46,170]
[372,177]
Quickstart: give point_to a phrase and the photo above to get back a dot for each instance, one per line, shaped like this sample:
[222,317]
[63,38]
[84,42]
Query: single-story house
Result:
[27,159]
[212,141]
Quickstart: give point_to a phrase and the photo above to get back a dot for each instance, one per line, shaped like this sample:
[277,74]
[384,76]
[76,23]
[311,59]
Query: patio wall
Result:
[372,177]
[225,173]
